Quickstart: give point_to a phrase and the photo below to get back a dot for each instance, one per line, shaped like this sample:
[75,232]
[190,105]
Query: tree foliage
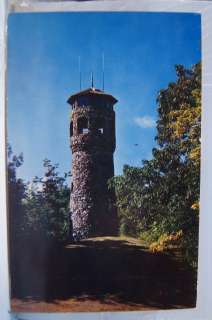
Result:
[162,197]
[38,209]
[16,193]
[46,204]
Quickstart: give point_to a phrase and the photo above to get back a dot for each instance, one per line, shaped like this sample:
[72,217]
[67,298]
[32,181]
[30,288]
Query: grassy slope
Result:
[103,274]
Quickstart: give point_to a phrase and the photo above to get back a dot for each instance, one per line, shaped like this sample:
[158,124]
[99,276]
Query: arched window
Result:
[82,125]
[71,129]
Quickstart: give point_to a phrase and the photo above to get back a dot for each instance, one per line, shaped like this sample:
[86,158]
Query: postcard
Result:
[104,144]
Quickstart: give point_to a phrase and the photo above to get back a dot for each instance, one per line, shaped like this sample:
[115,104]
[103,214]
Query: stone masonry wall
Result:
[93,212]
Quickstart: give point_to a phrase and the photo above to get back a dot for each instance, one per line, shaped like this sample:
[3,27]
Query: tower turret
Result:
[92,134]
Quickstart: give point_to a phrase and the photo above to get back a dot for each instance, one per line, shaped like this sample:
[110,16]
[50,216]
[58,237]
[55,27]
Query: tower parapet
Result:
[92,136]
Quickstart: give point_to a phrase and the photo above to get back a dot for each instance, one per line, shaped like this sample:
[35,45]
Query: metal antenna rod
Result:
[103,71]
[80,75]
[92,86]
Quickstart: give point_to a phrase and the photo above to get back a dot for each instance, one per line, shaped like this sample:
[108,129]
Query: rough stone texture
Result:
[93,212]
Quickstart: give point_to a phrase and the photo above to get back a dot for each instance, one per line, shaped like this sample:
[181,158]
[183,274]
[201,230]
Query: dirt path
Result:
[102,274]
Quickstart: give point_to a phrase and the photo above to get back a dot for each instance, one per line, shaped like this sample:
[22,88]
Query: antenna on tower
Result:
[80,74]
[103,71]
[92,86]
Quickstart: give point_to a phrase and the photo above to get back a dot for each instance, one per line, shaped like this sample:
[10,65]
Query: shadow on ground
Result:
[104,267]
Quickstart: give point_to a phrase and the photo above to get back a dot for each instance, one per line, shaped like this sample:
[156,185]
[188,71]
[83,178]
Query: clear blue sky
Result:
[140,50]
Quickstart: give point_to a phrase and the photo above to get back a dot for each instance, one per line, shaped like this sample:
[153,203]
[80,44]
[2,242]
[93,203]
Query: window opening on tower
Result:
[82,125]
[100,125]
[71,129]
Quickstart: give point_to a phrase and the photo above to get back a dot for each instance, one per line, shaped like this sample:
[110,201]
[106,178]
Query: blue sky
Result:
[140,51]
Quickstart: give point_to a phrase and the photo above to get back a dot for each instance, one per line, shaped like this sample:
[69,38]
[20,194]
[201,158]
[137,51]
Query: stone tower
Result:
[92,134]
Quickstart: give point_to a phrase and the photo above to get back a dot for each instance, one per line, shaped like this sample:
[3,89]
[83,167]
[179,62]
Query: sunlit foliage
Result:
[161,198]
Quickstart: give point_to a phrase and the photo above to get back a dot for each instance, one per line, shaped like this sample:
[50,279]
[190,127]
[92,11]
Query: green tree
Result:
[162,196]
[16,194]
[47,204]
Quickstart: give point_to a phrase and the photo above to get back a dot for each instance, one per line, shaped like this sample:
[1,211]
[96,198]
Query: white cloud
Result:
[145,122]
[35,187]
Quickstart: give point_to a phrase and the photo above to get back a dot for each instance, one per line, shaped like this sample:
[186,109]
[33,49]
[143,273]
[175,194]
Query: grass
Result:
[101,274]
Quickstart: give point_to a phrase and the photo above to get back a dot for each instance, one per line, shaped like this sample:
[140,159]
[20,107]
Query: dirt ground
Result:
[101,274]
